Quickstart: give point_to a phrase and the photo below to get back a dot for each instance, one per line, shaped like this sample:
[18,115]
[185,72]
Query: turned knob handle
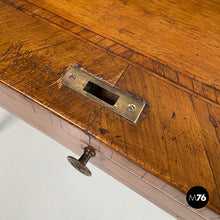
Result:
[80,164]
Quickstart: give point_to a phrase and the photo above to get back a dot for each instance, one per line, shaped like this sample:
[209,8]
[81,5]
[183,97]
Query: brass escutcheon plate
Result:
[103,93]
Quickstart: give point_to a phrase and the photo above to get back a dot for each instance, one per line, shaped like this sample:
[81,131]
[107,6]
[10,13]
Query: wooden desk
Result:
[172,64]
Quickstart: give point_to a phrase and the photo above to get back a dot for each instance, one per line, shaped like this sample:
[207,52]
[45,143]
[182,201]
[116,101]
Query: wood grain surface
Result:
[152,188]
[177,135]
[34,64]
[176,138]
[182,34]
[162,70]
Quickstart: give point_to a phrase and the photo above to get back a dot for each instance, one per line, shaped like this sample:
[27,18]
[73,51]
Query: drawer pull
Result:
[80,164]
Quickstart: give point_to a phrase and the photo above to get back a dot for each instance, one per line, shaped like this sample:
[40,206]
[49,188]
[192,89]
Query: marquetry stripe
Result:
[181,79]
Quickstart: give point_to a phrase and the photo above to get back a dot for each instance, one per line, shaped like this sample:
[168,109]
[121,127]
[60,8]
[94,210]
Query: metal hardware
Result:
[80,164]
[72,76]
[102,92]
[131,108]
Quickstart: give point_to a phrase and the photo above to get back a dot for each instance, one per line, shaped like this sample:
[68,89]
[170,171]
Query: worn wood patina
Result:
[166,54]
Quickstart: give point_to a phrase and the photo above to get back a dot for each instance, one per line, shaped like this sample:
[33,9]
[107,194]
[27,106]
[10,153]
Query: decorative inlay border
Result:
[181,79]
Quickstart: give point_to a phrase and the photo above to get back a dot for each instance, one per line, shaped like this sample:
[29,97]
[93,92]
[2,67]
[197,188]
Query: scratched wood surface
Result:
[152,188]
[37,58]
[183,34]
[177,136]
[160,69]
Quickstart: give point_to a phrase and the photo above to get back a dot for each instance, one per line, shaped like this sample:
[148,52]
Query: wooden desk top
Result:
[181,34]
[177,135]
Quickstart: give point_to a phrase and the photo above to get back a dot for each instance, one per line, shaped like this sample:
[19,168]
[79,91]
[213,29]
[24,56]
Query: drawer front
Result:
[149,186]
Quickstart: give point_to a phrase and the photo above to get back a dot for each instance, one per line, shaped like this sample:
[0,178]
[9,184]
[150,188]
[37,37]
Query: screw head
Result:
[72,76]
[131,107]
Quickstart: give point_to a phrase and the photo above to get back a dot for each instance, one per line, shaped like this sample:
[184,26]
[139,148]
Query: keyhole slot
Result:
[101,93]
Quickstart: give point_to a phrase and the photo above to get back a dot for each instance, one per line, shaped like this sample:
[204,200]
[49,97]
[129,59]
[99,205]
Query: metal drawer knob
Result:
[80,164]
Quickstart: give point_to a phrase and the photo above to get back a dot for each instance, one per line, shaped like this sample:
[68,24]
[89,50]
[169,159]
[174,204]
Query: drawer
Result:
[141,181]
